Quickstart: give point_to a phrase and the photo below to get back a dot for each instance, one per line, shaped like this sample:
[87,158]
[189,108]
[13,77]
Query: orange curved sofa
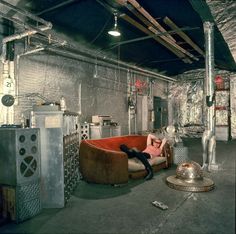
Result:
[101,160]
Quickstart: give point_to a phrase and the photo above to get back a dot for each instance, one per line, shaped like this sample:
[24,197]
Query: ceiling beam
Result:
[139,8]
[150,22]
[146,21]
[155,35]
[161,41]
[183,35]
[174,44]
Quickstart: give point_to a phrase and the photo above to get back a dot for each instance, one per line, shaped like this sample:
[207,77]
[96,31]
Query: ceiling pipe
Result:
[75,54]
[24,34]
[14,20]
[33,30]
[62,4]
[36,50]
[17,37]
[23,24]
[47,36]
[26,13]
[48,25]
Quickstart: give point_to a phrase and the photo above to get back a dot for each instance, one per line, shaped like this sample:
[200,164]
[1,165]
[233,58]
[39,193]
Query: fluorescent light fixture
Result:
[114,31]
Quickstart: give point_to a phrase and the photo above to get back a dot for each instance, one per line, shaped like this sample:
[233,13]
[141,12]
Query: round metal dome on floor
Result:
[189,177]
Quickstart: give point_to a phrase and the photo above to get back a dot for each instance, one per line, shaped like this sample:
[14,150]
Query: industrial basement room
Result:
[117,116]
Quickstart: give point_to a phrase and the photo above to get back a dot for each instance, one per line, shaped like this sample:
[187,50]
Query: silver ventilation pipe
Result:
[19,36]
[76,54]
[33,30]
[26,13]
[17,70]
[24,34]
[208,138]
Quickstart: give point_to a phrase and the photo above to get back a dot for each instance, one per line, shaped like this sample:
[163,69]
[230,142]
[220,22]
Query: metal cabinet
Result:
[97,132]
[59,156]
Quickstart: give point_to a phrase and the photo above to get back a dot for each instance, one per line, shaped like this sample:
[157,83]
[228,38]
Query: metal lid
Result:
[189,177]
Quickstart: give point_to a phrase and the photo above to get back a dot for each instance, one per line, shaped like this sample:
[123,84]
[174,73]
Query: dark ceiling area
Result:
[151,30]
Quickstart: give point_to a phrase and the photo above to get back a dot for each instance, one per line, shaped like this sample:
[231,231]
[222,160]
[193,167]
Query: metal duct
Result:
[24,34]
[26,13]
[26,25]
[19,36]
[209,79]
[18,69]
[208,138]
[46,25]
[76,54]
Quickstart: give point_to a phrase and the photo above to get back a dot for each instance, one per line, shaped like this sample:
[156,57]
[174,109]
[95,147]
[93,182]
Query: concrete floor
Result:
[127,209]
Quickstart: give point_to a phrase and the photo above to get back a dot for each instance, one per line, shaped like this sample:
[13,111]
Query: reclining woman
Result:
[153,149]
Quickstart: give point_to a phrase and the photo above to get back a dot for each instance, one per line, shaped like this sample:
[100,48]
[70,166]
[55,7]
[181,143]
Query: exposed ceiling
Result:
[89,20]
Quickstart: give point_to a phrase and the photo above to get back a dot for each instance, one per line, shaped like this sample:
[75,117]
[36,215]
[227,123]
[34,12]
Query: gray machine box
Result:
[97,132]
[59,156]
[52,170]
[20,173]
[19,156]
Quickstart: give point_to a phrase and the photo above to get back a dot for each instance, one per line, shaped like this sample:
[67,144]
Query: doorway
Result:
[160,112]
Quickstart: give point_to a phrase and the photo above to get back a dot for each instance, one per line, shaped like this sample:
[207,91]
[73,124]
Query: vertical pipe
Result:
[129,95]
[17,69]
[208,138]
[209,63]
[80,101]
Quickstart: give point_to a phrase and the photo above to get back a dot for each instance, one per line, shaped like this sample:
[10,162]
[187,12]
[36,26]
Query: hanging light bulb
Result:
[114,31]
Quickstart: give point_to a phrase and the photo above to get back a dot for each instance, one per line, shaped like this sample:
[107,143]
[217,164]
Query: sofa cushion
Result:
[135,164]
